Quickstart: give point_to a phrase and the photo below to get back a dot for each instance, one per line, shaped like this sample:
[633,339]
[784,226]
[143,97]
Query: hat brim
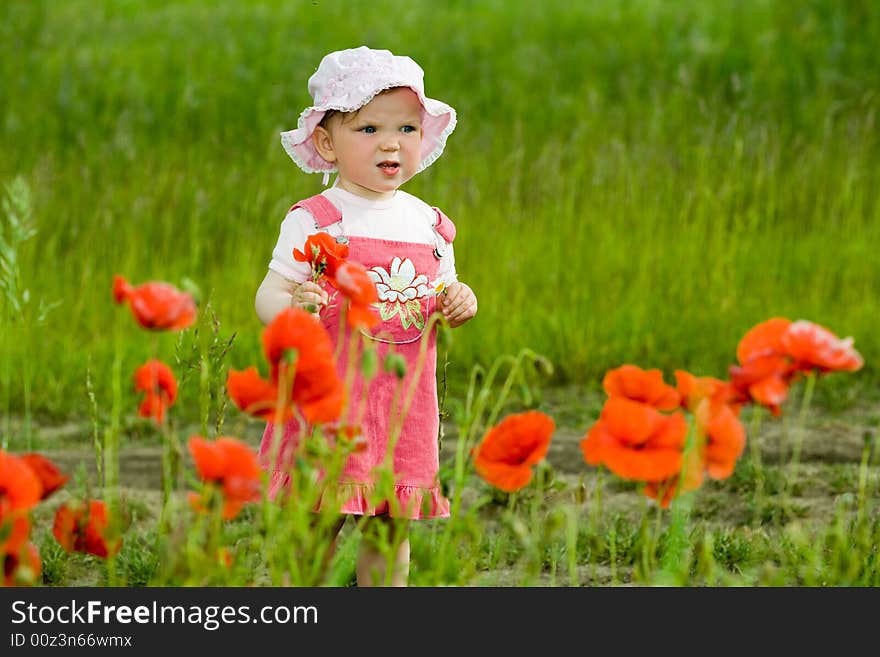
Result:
[438,122]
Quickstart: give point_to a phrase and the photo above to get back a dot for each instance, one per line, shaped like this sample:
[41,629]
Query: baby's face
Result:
[378,148]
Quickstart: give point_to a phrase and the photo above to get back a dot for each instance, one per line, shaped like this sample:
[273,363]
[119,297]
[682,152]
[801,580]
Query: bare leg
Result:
[385,543]
[326,537]
[331,550]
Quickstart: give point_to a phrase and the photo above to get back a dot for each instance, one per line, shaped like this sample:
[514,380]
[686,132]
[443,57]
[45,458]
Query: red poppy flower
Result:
[764,379]
[79,530]
[22,567]
[316,385]
[157,380]
[814,347]
[156,305]
[762,339]
[353,281]
[256,396]
[690,478]
[765,371]
[721,438]
[694,389]
[230,464]
[20,490]
[323,253]
[508,451]
[15,529]
[51,478]
[635,441]
[326,407]
[20,487]
[364,317]
[632,382]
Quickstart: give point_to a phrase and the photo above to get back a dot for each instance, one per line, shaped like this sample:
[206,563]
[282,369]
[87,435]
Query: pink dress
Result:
[404,272]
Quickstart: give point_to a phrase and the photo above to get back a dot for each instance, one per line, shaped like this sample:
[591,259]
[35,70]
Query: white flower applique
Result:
[400,289]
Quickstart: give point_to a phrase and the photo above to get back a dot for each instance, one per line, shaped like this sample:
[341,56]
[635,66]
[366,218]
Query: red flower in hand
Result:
[353,281]
[79,530]
[323,253]
[505,456]
[156,380]
[156,305]
[230,464]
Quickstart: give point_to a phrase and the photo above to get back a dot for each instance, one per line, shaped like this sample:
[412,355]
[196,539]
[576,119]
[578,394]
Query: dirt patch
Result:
[831,447]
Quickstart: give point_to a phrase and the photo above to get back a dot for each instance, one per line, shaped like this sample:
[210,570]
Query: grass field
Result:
[632,182]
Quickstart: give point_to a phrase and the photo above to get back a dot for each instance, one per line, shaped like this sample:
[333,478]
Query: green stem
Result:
[571,535]
[802,414]
[863,482]
[755,454]
[7,378]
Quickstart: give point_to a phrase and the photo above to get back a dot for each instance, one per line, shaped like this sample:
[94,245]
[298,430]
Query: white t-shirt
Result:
[403,217]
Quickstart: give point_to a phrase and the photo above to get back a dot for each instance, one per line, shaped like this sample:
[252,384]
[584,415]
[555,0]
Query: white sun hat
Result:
[345,81]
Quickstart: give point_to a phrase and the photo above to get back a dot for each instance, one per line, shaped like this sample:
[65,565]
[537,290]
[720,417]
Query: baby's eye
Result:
[408,128]
[368,129]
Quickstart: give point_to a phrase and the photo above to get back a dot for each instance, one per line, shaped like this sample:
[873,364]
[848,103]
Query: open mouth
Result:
[389,168]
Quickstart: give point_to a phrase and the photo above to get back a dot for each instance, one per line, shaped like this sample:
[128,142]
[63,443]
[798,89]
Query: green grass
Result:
[632,181]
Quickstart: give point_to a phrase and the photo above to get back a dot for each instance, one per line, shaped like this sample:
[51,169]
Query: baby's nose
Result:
[390,144]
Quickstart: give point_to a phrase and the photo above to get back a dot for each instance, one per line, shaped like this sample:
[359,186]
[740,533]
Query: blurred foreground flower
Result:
[48,474]
[156,305]
[316,387]
[355,283]
[256,396]
[232,466]
[20,490]
[83,528]
[22,567]
[505,456]
[24,481]
[156,380]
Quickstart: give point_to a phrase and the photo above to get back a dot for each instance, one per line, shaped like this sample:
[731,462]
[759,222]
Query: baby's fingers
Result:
[458,313]
[309,296]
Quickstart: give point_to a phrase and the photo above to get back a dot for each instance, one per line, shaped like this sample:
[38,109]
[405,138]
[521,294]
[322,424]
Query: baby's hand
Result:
[309,296]
[458,303]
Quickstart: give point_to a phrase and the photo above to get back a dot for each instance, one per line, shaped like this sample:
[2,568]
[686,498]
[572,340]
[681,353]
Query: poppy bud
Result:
[397,364]
[369,363]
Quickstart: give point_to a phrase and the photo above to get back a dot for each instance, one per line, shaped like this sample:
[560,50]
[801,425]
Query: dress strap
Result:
[321,209]
[445,233]
[444,226]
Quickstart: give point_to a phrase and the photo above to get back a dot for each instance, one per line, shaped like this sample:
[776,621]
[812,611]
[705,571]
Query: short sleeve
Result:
[444,231]
[295,229]
[446,268]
